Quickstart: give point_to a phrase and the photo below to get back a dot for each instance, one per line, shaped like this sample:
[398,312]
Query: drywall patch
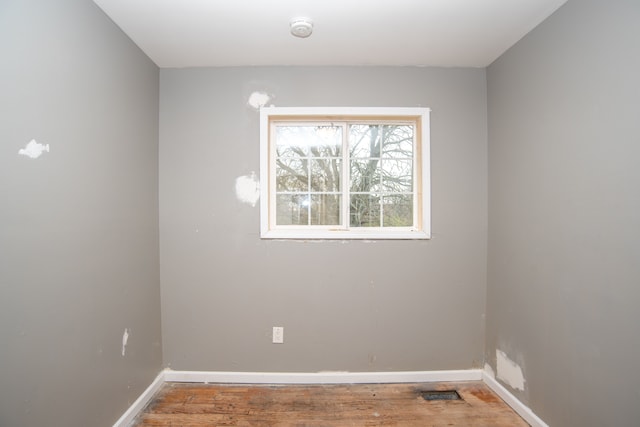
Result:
[248,189]
[489,371]
[125,339]
[33,149]
[509,371]
[258,99]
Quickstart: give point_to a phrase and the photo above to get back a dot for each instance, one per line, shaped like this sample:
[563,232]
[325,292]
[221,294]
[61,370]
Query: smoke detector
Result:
[301,27]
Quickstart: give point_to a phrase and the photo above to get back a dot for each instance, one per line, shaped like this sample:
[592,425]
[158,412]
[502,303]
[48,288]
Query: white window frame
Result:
[422,180]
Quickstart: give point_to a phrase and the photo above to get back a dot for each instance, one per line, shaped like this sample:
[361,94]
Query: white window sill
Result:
[345,235]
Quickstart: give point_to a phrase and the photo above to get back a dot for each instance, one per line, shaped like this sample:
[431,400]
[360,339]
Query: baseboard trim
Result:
[331,377]
[127,418]
[521,409]
[322,377]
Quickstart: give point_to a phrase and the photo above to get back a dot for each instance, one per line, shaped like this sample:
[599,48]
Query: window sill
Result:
[345,235]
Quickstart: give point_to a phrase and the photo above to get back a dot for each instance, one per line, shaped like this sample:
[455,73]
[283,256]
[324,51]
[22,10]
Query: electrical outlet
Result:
[278,335]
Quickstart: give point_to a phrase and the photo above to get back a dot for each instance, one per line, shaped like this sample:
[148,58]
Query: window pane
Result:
[303,141]
[365,175]
[397,210]
[292,209]
[397,176]
[365,210]
[325,175]
[325,209]
[364,141]
[326,141]
[292,174]
[291,141]
[398,141]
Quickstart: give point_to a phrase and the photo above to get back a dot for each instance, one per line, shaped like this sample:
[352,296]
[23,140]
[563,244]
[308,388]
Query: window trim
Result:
[421,158]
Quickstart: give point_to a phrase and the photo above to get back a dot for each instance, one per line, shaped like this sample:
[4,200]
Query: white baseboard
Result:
[322,377]
[521,409]
[127,418]
[328,378]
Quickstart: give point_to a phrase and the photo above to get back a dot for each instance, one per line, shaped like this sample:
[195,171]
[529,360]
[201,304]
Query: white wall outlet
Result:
[278,335]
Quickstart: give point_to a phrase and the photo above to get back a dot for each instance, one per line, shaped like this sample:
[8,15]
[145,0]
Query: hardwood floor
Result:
[181,404]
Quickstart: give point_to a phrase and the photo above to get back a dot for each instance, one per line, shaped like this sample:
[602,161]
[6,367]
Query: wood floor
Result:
[180,404]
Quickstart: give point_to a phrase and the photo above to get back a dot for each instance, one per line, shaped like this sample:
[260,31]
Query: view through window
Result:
[345,174]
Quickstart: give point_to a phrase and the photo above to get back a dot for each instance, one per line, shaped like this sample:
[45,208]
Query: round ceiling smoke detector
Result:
[301,27]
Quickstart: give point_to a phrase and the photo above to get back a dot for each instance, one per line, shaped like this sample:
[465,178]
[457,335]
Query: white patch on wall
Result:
[258,99]
[125,338]
[489,370]
[509,371]
[33,149]
[248,189]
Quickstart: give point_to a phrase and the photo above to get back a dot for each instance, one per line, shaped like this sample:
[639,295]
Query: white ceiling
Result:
[449,33]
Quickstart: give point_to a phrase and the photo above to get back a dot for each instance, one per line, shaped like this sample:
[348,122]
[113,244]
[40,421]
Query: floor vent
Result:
[440,395]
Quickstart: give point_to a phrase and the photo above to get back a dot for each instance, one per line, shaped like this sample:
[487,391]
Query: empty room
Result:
[409,196]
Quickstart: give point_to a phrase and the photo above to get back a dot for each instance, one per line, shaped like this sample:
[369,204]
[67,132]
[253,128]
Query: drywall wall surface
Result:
[564,215]
[344,305]
[78,216]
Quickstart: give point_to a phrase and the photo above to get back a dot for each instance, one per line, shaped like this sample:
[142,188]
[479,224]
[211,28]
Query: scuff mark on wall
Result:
[248,189]
[258,99]
[372,359]
[509,371]
[34,149]
[125,338]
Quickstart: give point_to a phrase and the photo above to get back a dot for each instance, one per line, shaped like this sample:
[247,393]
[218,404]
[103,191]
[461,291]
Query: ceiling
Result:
[448,33]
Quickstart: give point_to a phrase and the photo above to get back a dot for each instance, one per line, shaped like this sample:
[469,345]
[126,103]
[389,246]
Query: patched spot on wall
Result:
[489,371]
[33,149]
[509,371]
[258,99]
[248,189]
[125,339]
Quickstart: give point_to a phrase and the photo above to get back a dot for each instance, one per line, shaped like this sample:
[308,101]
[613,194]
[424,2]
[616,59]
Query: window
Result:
[344,173]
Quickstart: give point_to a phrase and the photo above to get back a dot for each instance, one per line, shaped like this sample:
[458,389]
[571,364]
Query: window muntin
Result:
[345,173]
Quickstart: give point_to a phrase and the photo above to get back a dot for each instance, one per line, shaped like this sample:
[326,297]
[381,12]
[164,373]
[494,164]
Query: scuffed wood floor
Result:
[180,404]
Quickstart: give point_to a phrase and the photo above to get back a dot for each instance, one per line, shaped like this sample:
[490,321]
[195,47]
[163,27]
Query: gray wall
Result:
[78,225]
[564,214]
[357,306]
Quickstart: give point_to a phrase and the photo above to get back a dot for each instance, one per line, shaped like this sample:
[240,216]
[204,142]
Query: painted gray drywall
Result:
[78,225]
[344,305]
[564,214]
